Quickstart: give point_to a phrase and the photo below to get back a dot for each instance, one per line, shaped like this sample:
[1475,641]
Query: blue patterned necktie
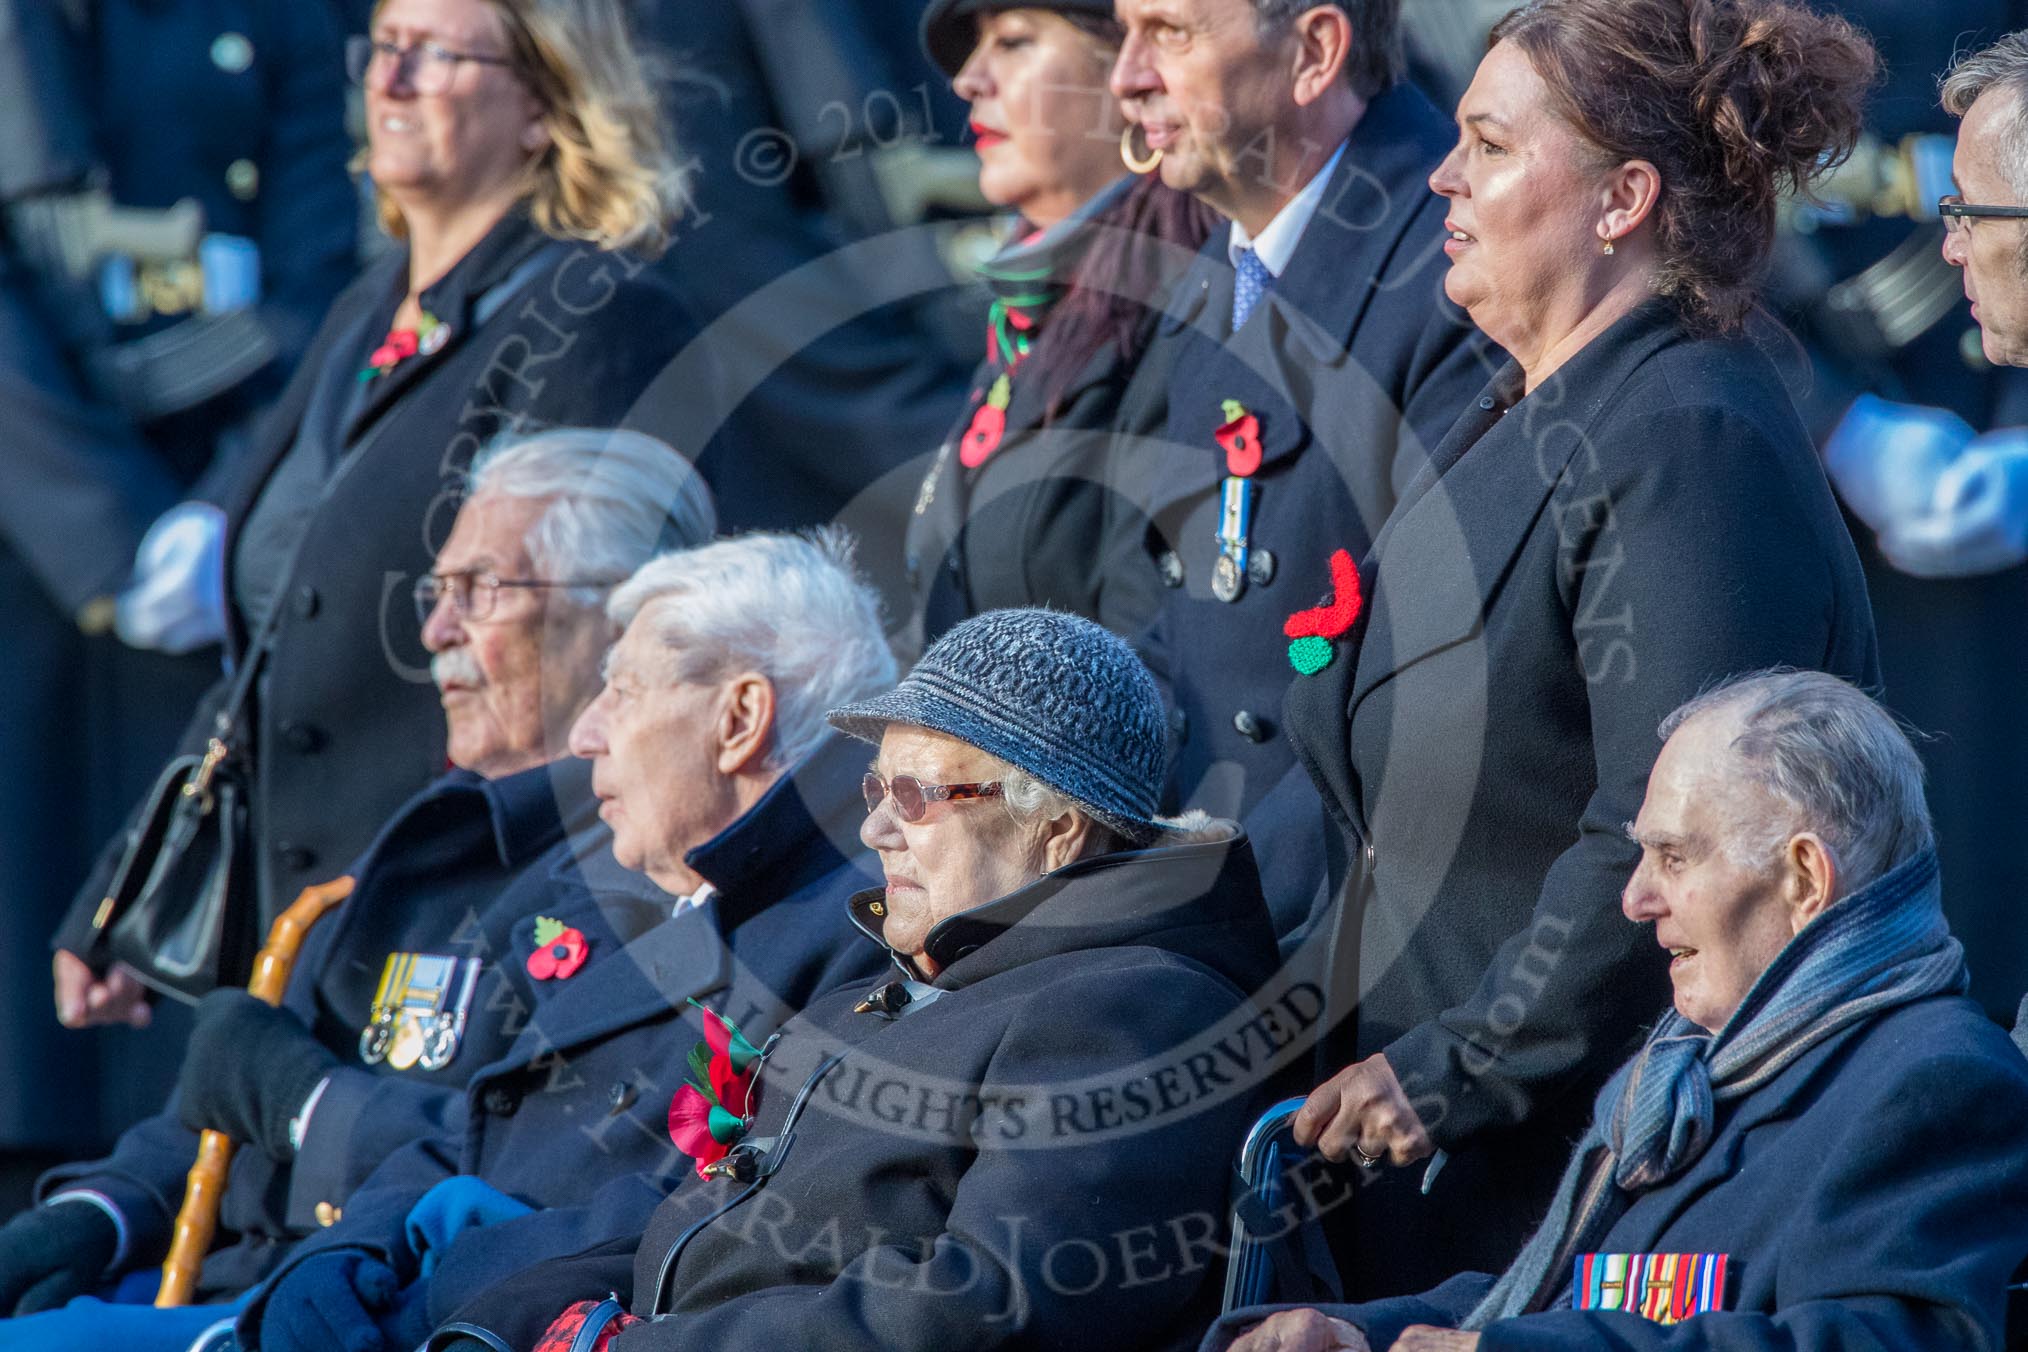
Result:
[1252,281]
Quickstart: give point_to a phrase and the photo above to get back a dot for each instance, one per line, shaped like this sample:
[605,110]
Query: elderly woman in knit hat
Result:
[1023,1139]
[1821,1144]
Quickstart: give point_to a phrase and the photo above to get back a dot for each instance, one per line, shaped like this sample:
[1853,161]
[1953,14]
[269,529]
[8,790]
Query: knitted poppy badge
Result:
[989,425]
[1311,631]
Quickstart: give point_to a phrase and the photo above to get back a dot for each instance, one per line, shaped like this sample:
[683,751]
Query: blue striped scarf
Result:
[1885,945]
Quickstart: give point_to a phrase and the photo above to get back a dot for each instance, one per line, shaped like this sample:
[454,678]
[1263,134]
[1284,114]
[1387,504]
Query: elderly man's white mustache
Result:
[456,667]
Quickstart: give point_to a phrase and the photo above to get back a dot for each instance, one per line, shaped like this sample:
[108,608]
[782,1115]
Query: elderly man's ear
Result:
[1811,878]
[746,723]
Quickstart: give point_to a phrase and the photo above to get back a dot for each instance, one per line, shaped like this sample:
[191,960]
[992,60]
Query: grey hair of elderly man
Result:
[1830,753]
[616,499]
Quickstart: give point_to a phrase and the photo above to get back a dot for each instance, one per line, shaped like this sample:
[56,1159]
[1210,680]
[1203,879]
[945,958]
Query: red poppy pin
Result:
[989,424]
[559,950]
[429,335]
[714,1108]
[563,1331]
[1312,630]
[1239,437]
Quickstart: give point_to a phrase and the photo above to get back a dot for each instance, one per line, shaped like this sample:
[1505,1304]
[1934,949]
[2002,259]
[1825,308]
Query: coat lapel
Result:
[1438,564]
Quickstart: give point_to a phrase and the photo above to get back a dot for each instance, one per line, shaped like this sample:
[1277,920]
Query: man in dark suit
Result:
[732,811]
[396,999]
[1314,362]
[1820,1143]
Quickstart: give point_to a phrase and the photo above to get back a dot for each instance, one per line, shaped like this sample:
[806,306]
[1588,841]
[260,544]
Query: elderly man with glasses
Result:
[394,1000]
[718,913]
[1945,500]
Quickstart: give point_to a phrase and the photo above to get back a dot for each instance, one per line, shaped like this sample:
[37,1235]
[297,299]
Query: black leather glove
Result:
[248,1069]
[51,1253]
[336,1301]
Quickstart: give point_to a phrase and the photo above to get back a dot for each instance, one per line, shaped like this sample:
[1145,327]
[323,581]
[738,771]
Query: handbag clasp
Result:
[199,785]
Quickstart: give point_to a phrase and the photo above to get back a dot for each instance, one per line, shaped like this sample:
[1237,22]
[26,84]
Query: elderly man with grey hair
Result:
[395,998]
[718,904]
[1821,1144]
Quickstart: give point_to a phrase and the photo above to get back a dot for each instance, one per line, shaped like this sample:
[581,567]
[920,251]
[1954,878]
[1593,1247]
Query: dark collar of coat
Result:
[1381,182]
[1439,560]
[1199,897]
[526,807]
[791,837]
[513,241]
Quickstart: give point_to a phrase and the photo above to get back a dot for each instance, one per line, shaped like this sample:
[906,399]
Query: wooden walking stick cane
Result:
[197,1222]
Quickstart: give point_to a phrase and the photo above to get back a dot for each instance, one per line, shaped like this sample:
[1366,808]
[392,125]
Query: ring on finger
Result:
[1366,1161]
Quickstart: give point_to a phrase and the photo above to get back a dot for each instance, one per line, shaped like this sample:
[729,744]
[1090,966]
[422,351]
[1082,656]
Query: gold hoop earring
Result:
[1140,166]
[1609,246]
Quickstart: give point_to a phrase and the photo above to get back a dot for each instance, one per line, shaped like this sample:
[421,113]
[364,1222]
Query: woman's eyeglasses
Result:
[429,66]
[1958,214]
[912,797]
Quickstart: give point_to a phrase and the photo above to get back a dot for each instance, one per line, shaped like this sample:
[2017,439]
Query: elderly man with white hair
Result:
[716,912]
[395,998]
[1821,1145]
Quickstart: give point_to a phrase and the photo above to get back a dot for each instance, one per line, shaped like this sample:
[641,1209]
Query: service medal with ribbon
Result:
[1666,1288]
[419,1011]
[1239,438]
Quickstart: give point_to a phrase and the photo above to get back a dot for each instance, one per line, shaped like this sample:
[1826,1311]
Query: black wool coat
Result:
[1572,567]
[348,724]
[1021,1155]
[433,881]
[1355,365]
[1869,1196]
[571,1115]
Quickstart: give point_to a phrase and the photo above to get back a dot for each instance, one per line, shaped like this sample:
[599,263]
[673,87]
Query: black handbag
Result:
[182,909]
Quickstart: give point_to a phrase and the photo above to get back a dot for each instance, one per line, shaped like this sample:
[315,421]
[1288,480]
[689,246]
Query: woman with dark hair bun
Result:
[1012,512]
[1629,512]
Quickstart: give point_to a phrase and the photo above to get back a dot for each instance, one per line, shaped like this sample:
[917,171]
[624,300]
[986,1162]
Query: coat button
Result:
[328,1215]
[296,858]
[305,601]
[1486,402]
[243,179]
[231,52]
[301,738]
[1170,565]
[500,1101]
[1179,723]
[620,1098]
[1247,725]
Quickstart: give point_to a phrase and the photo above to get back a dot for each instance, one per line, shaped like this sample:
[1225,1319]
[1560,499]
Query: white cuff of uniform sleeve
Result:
[299,1125]
[105,1204]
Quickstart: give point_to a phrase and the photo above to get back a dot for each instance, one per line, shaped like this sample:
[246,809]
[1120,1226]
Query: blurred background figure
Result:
[175,216]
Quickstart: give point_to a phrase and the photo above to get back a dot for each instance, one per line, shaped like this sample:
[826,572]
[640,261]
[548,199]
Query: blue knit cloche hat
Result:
[1049,693]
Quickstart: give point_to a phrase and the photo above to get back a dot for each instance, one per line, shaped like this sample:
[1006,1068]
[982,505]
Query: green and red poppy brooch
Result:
[714,1108]
[1313,633]
[560,950]
[426,337]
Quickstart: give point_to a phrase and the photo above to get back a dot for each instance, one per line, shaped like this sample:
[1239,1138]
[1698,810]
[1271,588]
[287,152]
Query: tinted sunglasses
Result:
[912,797]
